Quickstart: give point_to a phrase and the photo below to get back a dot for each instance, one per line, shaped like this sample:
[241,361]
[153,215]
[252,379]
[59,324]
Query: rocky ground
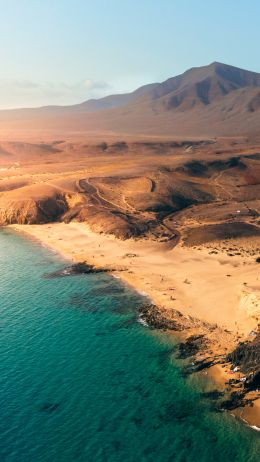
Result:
[192,209]
[244,359]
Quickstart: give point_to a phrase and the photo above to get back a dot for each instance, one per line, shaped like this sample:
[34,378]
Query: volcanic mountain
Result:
[212,100]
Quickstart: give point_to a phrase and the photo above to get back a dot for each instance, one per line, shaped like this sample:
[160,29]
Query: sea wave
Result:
[142,321]
[254,427]
[141,292]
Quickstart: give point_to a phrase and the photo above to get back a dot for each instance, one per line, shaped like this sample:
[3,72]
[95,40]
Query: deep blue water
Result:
[82,380]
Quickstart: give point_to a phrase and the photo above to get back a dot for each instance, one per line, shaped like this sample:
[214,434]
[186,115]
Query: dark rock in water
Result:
[204,364]
[236,399]
[82,303]
[123,309]
[196,366]
[138,421]
[174,412]
[107,289]
[49,407]
[214,394]
[165,355]
[192,346]
[125,324]
[116,445]
[170,413]
[75,269]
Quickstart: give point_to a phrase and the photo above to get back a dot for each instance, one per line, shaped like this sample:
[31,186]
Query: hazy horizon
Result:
[63,53]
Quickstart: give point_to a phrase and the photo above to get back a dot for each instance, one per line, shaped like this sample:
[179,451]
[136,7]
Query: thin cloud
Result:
[100,85]
[26,93]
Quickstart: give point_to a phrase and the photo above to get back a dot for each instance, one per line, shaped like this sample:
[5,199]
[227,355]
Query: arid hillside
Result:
[200,189]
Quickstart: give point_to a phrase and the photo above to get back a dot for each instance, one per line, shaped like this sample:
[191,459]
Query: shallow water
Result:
[81,380]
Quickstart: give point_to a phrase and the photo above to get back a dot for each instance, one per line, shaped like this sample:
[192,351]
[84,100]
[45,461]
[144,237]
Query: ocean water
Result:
[82,380]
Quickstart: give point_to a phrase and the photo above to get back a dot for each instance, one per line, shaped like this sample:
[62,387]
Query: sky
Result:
[65,52]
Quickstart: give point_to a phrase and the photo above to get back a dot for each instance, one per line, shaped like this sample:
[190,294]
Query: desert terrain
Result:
[174,216]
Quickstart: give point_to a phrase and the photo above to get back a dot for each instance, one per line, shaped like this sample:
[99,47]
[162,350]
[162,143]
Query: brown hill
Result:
[212,100]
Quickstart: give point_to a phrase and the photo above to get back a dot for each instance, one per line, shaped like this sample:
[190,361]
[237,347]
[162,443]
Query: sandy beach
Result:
[214,289]
[173,278]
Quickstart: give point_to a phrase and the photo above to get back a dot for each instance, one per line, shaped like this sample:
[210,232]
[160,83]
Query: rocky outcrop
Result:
[247,357]
[102,220]
[76,269]
[192,346]
[153,316]
[158,317]
[234,400]
[32,212]
[34,204]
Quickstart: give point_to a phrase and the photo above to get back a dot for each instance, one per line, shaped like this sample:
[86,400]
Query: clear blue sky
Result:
[64,51]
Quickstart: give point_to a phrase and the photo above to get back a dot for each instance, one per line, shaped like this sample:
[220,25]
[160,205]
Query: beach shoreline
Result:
[173,279]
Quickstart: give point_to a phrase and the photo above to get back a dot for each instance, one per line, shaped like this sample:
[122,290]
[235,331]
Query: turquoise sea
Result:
[82,380]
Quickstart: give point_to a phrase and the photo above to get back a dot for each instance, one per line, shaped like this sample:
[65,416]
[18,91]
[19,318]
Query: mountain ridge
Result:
[217,99]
